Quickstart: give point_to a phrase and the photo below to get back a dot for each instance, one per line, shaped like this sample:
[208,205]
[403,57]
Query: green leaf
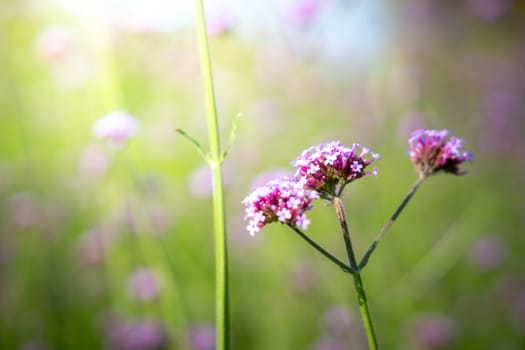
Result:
[233,135]
[195,143]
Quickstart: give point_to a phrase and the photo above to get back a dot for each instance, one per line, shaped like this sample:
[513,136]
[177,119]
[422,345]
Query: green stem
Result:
[346,233]
[215,161]
[358,282]
[323,251]
[365,312]
[390,221]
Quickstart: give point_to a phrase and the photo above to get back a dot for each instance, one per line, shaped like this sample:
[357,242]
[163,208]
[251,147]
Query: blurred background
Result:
[109,245]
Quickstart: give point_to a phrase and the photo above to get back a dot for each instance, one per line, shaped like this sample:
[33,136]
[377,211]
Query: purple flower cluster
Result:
[284,200]
[322,171]
[431,151]
[329,167]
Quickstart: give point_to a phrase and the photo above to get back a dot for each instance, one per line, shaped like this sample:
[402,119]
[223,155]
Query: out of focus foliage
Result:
[110,246]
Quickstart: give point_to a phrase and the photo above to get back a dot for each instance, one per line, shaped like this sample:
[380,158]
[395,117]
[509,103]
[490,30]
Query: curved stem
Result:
[215,161]
[389,223]
[358,282]
[323,251]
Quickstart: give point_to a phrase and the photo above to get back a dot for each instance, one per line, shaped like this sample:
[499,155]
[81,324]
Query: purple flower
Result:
[488,252]
[434,331]
[116,126]
[329,167]
[284,200]
[143,285]
[202,337]
[432,152]
[135,335]
[338,321]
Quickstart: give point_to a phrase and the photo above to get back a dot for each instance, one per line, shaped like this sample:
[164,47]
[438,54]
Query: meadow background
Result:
[104,247]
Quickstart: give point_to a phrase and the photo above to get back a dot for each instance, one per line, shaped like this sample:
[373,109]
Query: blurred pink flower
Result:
[328,343]
[219,24]
[202,337]
[303,12]
[53,42]
[91,247]
[134,335]
[338,321]
[143,285]
[489,10]
[488,252]
[434,331]
[116,126]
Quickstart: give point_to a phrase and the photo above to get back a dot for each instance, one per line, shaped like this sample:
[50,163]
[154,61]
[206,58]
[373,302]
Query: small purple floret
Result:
[328,167]
[431,152]
[284,200]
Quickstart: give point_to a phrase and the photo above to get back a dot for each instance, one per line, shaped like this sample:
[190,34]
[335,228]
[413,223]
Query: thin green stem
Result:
[346,233]
[365,312]
[358,282]
[390,221]
[215,161]
[323,251]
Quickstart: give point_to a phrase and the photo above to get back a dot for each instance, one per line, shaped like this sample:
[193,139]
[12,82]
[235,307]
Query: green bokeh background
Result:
[444,66]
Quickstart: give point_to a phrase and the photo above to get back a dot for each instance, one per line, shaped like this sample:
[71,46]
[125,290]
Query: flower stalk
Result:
[215,159]
[323,251]
[390,222]
[358,282]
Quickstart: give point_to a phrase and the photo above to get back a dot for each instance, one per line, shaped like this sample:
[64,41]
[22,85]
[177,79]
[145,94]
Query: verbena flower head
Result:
[432,151]
[329,167]
[284,200]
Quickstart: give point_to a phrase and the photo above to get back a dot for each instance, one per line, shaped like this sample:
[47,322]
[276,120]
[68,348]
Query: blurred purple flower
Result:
[303,12]
[135,335]
[489,10]
[116,126]
[329,167]
[283,200]
[202,337]
[431,152]
[488,252]
[91,247]
[434,331]
[53,42]
[219,24]
[143,285]
[502,133]
[328,343]
[338,321]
